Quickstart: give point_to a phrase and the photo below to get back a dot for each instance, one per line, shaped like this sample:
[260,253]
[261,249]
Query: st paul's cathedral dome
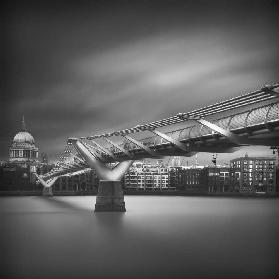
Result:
[23,148]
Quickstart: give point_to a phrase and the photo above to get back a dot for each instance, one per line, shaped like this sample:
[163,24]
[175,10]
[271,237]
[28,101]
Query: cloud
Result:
[76,76]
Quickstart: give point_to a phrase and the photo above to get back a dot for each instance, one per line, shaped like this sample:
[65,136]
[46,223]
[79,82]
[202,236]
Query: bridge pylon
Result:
[47,192]
[47,185]
[110,195]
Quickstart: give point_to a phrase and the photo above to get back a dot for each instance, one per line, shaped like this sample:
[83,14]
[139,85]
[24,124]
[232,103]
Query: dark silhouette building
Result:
[80,182]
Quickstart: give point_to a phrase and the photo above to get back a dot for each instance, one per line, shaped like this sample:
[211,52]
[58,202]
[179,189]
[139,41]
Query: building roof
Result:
[23,138]
[253,158]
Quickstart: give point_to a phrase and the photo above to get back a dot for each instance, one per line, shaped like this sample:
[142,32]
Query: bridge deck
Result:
[259,125]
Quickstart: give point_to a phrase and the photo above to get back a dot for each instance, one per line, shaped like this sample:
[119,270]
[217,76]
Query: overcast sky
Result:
[97,66]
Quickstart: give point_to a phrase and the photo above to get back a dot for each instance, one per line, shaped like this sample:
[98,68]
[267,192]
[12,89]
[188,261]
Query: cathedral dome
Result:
[23,137]
[23,149]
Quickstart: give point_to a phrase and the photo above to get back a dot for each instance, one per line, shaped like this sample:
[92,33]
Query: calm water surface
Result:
[158,237]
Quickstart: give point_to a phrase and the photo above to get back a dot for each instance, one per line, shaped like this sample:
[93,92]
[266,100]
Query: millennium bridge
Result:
[249,119]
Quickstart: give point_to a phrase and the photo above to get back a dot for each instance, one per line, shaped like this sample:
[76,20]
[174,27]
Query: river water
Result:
[158,237]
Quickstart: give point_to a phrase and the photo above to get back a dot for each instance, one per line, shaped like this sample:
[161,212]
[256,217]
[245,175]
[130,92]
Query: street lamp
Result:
[275,149]
[214,161]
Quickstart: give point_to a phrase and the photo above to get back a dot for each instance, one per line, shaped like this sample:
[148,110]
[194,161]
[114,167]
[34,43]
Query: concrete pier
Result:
[110,197]
[47,191]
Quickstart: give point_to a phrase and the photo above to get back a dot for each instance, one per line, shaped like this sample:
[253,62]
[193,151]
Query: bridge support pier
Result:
[110,197]
[47,192]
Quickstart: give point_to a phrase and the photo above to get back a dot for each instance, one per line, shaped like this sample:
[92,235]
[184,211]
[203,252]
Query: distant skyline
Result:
[87,67]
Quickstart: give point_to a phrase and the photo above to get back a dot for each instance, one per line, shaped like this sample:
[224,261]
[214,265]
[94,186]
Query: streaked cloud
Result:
[83,75]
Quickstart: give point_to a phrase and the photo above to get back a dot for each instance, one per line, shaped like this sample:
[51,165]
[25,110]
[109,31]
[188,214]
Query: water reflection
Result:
[158,237]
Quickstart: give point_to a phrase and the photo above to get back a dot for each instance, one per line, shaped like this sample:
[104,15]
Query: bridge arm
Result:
[103,172]
[94,151]
[228,134]
[141,145]
[82,162]
[64,168]
[105,150]
[175,142]
[69,166]
[118,147]
[270,90]
[48,183]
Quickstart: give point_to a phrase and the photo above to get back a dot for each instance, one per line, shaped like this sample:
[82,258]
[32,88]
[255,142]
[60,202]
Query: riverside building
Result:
[254,174]
[84,181]
[199,179]
[144,177]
